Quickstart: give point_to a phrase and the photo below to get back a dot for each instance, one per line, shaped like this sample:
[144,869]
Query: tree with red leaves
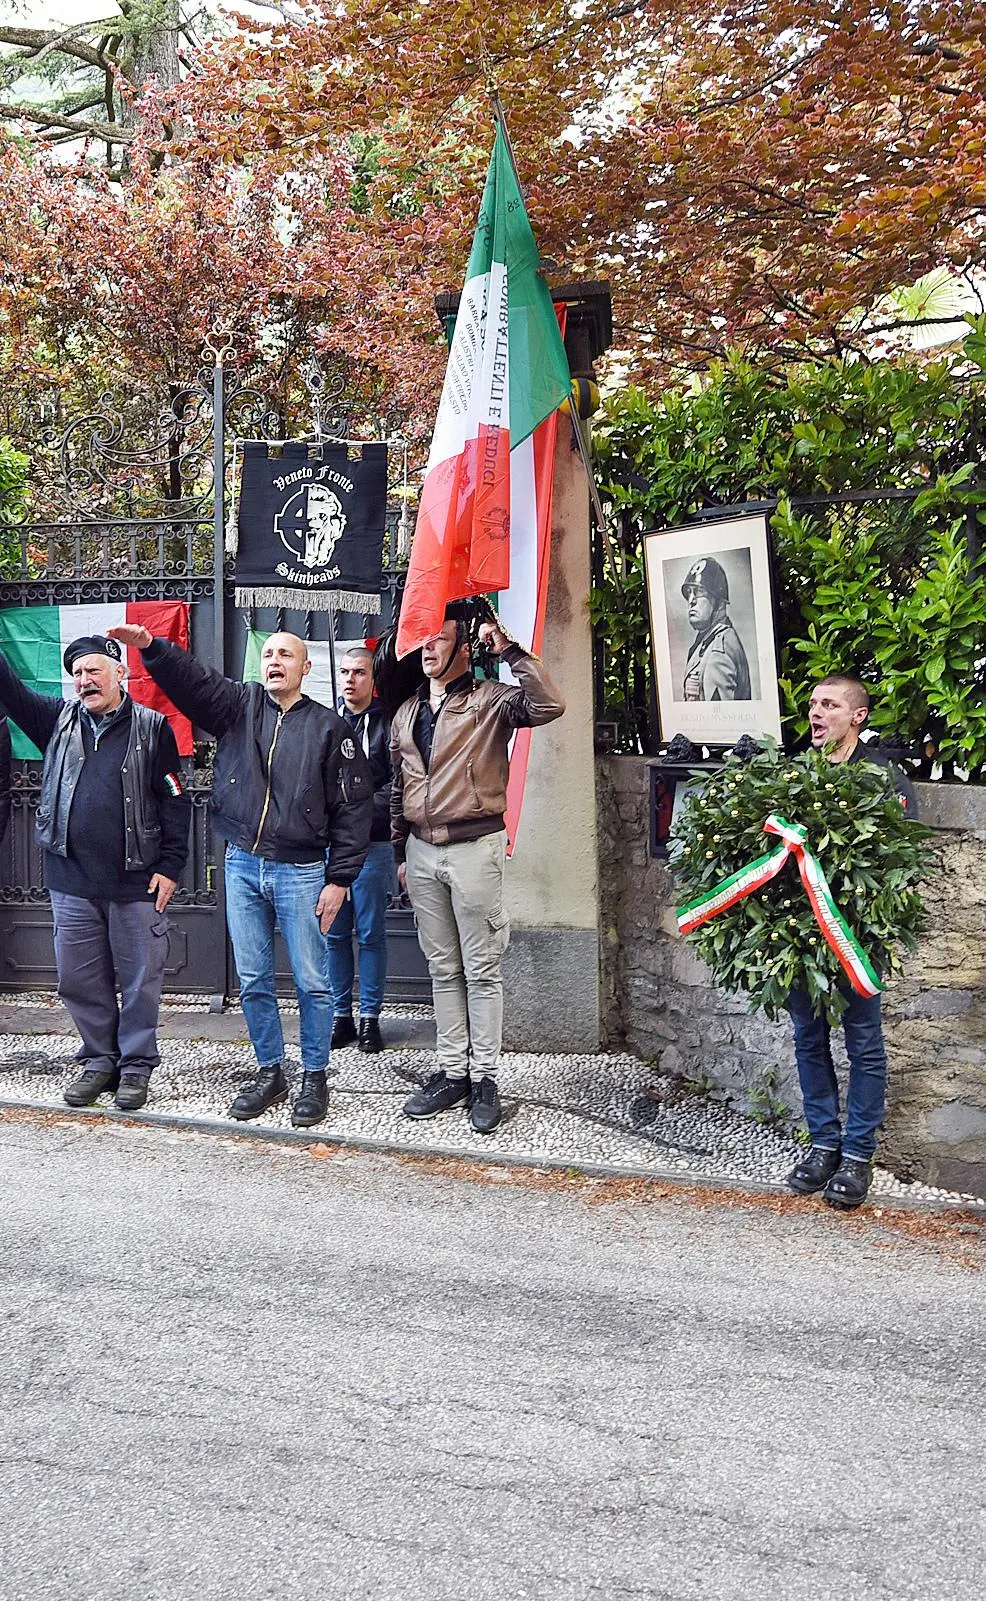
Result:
[753,174]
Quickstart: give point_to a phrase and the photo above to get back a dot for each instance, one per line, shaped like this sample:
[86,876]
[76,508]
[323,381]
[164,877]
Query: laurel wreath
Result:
[873,854]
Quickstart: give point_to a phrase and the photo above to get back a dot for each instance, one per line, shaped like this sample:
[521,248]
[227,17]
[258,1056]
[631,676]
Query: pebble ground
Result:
[611,1112]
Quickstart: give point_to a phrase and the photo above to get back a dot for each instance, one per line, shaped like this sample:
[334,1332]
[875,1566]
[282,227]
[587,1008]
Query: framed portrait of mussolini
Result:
[710,597]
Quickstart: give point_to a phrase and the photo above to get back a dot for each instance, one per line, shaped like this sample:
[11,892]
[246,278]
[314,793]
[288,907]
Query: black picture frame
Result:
[713,627]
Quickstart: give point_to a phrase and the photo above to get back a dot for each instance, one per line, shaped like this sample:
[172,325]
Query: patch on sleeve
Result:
[348,749]
[173,783]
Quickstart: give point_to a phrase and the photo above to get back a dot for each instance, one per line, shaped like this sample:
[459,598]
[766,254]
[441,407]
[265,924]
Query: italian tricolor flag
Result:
[33,639]
[483,501]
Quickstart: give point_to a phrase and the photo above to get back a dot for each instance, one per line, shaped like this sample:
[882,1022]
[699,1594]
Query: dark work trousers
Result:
[101,946]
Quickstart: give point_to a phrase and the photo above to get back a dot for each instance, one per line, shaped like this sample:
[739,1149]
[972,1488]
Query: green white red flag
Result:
[33,639]
[507,373]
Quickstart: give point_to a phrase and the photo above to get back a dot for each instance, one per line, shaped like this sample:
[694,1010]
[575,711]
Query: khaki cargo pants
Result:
[457,895]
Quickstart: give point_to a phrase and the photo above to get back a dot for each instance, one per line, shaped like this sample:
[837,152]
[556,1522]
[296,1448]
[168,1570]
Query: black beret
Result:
[91,645]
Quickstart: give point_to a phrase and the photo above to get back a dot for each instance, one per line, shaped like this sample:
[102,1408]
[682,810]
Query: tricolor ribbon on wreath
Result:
[836,931]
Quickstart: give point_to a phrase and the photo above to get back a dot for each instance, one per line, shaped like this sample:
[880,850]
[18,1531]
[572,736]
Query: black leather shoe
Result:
[91,1083]
[268,1089]
[132,1093]
[440,1094]
[370,1038]
[311,1102]
[485,1110]
[813,1171]
[343,1030]
[849,1185]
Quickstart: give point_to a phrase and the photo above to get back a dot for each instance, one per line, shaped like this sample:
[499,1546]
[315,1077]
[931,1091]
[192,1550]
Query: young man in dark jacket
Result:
[113,825]
[290,785]
[366,906]
[839,1163]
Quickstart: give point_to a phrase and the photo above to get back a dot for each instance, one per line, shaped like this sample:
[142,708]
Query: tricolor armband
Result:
[173,783]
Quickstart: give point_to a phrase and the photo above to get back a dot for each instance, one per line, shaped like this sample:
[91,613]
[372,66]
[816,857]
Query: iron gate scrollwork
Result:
[123,508]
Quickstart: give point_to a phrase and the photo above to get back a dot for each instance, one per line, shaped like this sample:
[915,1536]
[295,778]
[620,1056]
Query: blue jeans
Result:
[258,895]
[867,1095]
[365,907]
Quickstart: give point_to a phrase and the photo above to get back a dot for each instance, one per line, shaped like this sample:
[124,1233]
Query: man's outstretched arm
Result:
[34,714]
[205,696]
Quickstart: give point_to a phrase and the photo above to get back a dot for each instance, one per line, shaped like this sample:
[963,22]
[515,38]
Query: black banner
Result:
[311,526]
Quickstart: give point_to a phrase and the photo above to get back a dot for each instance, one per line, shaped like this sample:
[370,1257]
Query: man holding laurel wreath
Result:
[839,1163]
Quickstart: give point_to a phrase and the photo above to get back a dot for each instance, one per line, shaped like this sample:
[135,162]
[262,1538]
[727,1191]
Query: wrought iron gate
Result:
[131,514]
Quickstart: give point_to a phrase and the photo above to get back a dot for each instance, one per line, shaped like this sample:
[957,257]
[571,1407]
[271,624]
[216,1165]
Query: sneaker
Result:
[268,1089]
[485,1110]
[440,1094]
[91,1083]
[849,1185]
[370,1038]
[813,1171]
[311,1102]
[132,1093]
[343,1030]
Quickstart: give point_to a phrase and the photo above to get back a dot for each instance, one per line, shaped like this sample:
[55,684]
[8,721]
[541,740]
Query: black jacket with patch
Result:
[371,730]
[289,786]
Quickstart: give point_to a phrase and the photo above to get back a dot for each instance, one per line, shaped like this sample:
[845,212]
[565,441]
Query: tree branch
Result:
[765,83]
[38,41]
[910,322]
[82,130]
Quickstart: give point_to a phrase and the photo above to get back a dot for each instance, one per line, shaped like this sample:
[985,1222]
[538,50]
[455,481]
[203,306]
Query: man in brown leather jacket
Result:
[450,756]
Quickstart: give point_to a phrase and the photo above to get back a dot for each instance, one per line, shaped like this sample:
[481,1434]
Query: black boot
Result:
[132,1094]
[848,1187]
[370,1038]
[311,1102]
[343,1030]
[91,1083]
[268,1089]
[813,1171]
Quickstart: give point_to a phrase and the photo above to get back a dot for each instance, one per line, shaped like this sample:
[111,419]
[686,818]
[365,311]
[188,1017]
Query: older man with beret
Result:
[113,825]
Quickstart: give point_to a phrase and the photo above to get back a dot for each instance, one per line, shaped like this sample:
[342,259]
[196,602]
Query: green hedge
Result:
[14,467]
[887,589]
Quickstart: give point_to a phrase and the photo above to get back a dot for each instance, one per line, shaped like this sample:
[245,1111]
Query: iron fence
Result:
[129,513]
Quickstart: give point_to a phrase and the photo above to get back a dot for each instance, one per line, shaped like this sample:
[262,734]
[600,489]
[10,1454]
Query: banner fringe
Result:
[309,600]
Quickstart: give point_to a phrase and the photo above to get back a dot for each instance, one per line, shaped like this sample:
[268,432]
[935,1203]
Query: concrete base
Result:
[551,990]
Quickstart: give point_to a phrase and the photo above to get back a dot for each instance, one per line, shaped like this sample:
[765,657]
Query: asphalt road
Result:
[232,1370]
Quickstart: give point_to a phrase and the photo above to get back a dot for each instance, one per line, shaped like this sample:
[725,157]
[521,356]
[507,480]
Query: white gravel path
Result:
[601,1111]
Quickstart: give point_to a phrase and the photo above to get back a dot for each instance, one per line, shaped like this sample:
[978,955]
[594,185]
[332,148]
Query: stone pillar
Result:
[551,970]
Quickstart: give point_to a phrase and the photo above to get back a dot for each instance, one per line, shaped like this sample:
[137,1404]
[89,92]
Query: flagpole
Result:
[499,118]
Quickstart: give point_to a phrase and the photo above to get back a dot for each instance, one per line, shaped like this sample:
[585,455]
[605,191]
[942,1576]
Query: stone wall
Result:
[659,999]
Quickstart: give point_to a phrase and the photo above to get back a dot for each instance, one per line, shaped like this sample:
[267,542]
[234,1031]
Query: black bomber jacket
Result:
[289,786]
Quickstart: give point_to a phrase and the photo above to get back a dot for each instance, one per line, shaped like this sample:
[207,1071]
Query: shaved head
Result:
[283,665]
[356,677]
[293,641]
[854,689]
